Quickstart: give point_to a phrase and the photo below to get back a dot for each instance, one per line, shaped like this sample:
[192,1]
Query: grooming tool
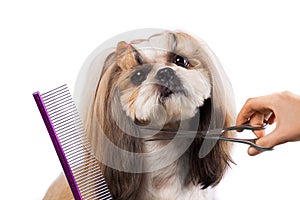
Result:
[215,134]
[72,147]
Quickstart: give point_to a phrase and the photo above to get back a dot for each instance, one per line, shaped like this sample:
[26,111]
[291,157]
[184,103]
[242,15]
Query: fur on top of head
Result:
[164,81]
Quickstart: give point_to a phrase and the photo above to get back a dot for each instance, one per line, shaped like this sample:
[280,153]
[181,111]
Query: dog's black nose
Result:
[165,75]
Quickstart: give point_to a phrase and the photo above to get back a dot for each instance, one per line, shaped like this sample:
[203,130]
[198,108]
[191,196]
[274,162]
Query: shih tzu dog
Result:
[169,82]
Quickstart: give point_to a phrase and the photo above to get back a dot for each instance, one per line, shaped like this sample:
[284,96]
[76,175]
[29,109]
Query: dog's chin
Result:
[173,107]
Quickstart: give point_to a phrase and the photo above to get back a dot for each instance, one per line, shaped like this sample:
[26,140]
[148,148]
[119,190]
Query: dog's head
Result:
[161,85]
[164,81]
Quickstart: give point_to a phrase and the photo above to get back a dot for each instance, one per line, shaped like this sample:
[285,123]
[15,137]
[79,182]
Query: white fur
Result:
[174,188]
[177,107]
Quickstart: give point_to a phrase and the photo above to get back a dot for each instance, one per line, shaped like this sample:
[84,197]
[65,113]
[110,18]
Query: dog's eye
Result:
[181,61]
[138,77]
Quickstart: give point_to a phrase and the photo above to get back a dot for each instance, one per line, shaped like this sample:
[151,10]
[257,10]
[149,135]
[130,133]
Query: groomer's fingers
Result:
[257,119]
[259,104]
[268,141]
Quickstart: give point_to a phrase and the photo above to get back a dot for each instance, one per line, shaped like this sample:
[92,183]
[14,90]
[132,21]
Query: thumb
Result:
[268,141]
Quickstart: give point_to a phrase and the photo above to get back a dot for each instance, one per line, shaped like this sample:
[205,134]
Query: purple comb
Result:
[68,136]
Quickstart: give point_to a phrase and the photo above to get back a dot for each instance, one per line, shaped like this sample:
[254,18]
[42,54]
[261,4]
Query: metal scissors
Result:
[214,134]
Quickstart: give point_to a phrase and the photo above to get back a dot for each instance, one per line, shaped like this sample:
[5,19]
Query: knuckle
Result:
[249,100]
[282,96]
[286,93]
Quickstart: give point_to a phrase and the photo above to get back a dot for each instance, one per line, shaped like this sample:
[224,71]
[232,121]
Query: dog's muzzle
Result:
[169,83]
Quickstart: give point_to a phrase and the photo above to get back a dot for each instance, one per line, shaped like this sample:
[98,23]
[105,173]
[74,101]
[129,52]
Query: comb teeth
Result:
[70,132]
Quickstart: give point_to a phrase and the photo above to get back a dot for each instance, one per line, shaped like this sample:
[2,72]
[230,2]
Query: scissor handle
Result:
[247,126]
[251,142]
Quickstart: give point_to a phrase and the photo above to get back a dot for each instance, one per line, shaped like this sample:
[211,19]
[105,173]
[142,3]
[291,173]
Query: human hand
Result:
[282,108]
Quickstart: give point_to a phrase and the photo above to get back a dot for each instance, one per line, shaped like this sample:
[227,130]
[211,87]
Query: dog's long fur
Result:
[115,114]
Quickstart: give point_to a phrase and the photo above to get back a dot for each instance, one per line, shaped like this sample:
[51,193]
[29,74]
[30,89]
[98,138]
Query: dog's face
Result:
[161,85]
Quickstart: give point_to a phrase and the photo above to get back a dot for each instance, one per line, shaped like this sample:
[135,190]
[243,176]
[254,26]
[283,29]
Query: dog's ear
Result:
[209,170]
[127,56]
[110,130]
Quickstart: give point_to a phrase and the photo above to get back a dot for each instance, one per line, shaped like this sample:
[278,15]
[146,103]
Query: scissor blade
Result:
[181,134]
[212,132]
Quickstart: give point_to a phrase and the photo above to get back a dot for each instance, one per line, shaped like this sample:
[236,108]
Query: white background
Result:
[44,43]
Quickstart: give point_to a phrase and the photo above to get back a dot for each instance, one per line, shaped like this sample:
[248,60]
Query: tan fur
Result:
[59,190]
[128,61]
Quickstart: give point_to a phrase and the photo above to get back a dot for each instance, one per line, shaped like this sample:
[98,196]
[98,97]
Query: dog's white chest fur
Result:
[175,191]
[168,183]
